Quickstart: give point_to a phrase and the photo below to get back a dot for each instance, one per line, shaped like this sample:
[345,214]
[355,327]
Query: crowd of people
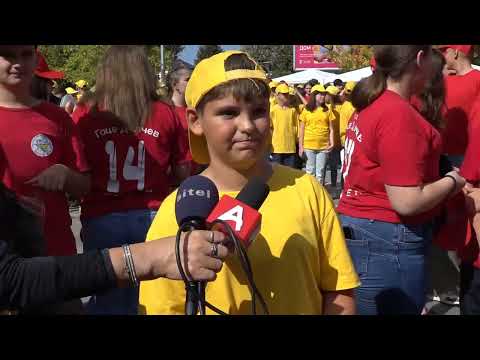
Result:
[405,140]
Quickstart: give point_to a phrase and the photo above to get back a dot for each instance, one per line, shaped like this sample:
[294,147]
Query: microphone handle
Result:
[192,303]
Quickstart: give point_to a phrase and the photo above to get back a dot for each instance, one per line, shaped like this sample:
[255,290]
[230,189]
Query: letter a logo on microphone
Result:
[235,214]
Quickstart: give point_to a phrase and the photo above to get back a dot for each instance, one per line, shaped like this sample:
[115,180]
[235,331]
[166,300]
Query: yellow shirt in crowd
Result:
[273,101]
[317,128]
[284,121]
[346,112]
[336,124]
[295,257]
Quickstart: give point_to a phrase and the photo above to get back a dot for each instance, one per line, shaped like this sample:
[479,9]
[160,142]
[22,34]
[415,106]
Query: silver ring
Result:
[212,237]
[214,252]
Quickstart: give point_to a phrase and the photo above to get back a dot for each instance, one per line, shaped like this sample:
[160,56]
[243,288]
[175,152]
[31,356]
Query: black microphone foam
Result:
[254,193]
[196,198]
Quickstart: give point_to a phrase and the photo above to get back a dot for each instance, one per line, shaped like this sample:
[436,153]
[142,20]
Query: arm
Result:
[301,136]
[37,281]
[339,302]
[413,200]
[304,101]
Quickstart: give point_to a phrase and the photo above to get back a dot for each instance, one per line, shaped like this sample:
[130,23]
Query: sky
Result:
[190,52]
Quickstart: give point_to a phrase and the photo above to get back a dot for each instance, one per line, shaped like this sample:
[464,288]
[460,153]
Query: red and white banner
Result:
[312,57]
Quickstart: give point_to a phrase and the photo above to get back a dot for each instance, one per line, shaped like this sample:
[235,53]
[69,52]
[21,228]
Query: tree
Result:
[276,60]
[205,51]
[350,57]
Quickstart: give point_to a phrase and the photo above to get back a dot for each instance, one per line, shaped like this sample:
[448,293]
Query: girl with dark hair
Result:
[392,188]
[332,99]
[131,139]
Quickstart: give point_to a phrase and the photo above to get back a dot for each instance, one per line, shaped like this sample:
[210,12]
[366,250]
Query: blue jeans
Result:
[390,260]
[284,159]
[316,163]
[114,230]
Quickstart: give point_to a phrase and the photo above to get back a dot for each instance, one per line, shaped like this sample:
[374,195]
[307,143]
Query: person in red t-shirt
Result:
[131,139]
[177,82]
[468,247]
[462,90]
[41,157]
[392,184]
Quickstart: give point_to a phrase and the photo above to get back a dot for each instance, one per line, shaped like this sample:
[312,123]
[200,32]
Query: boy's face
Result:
[17,63]
[237,133]
[282,99]
[450,57]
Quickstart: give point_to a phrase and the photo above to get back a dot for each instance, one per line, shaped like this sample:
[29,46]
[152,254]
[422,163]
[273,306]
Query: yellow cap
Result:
[300,86]
[81,83]
[332,90]
[318,88]
[273,84]
[349,86]
[282,89]
[210,73]
[70,91]
[291,91]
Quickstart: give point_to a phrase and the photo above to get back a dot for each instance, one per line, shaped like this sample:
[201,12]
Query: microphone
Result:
[242,213]
[196,197]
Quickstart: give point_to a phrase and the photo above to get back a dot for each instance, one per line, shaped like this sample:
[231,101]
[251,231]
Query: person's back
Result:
[461,91]
[129,170]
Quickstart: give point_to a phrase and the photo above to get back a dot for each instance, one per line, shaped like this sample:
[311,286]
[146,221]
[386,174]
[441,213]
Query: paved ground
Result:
[433,307]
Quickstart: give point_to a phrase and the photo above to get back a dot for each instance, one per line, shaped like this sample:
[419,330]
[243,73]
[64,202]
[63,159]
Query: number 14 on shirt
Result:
[130,171]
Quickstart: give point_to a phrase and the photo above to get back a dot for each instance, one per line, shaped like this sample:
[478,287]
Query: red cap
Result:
[466,49]
[42,70]
[373,63]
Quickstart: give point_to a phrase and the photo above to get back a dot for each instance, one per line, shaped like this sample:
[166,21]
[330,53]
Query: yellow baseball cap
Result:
[282,89]
[300,86]
[208,74]
[70,91]
[349,86]
[81,83]
[332,90]
[291,91]
[273,84]
[318,88]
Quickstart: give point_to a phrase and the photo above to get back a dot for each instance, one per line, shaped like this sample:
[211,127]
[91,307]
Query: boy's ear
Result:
[194,123]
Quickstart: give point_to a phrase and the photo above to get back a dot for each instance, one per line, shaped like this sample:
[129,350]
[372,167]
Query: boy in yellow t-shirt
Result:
[284,120]
[300,262]
[346,111]
[317,133]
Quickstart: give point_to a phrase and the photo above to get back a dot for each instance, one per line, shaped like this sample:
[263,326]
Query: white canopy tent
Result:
[356,75]
[302,77]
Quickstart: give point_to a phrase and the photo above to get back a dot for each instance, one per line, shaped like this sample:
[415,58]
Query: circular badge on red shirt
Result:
[41,145]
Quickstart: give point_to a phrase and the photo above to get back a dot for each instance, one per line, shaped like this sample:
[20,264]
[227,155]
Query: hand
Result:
[472,200]
[460,181]
[196,257]
[300,151]
[51,179]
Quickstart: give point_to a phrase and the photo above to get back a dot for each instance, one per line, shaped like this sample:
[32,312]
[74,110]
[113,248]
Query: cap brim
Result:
[51,75]
[198,148]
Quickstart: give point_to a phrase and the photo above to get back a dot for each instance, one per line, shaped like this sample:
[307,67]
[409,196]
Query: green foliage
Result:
[80,61]
[205,51]
[276,60]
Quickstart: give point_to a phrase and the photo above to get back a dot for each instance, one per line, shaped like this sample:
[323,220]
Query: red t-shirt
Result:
[461,92]
[389,142]
[35,139]
[129,171]
[182,115]
[467,248]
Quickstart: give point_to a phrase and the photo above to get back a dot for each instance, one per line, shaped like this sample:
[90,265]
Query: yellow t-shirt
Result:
[273,101]
[284,135]
[346,112]
[317,128]
[294,258]
[336,124]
